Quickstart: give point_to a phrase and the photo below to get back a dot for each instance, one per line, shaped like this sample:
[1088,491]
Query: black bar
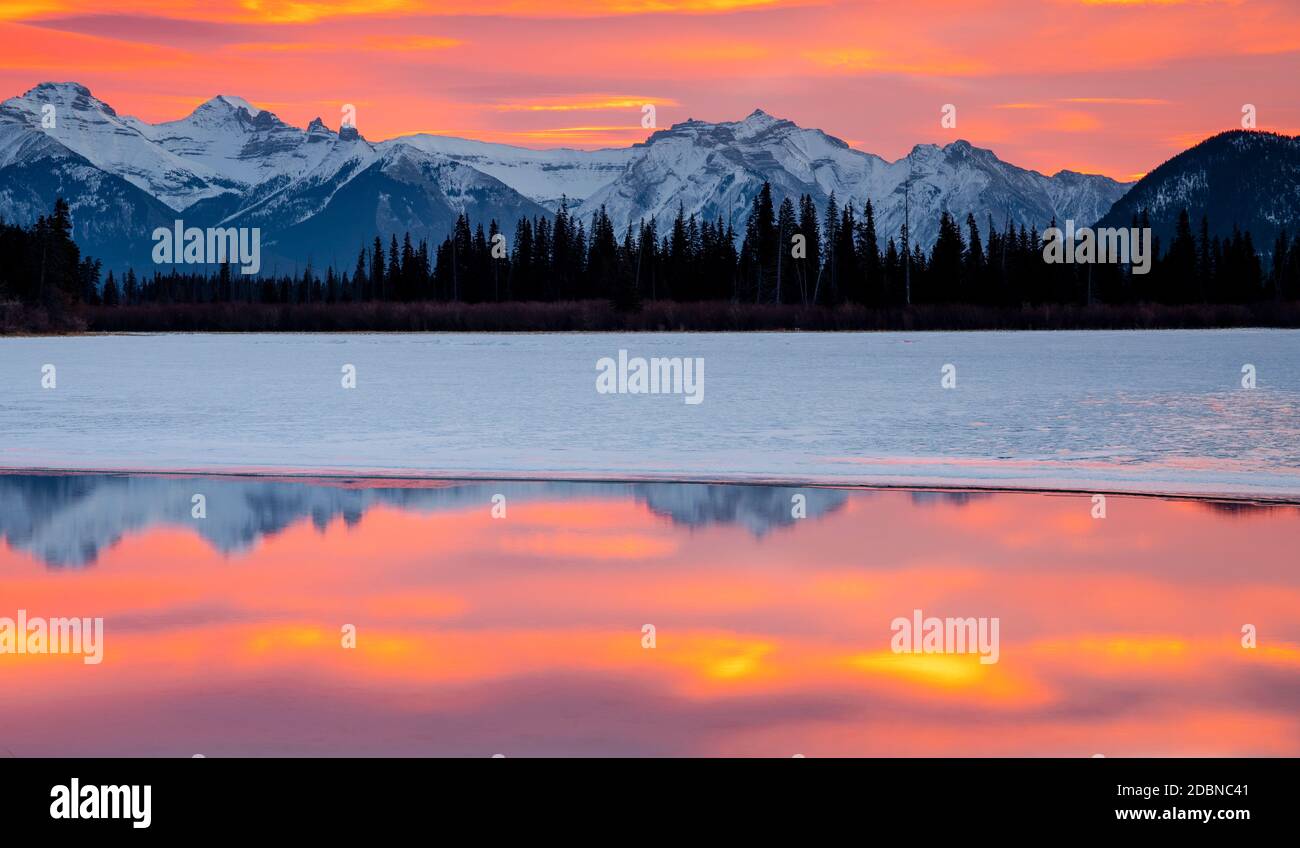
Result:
[328,797]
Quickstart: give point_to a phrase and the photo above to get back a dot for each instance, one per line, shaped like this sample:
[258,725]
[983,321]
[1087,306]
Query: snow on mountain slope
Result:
[108,213]
[1244,179]
[226,145]
[542,175]
[244,144]
[964,179]
[359,190]
[231,162]
[715,170]
[291,199]
[91,128]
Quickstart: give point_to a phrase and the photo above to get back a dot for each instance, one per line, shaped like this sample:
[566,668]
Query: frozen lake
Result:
[1161,412]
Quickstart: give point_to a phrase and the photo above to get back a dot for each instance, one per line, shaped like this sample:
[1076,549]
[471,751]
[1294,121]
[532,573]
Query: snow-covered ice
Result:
[1160,412]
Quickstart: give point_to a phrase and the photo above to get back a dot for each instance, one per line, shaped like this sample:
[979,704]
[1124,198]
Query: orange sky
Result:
[1111,86]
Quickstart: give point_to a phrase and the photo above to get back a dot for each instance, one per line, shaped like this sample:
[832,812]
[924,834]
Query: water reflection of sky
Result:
[523,635]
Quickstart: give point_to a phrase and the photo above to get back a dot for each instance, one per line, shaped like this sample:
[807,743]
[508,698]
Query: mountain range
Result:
[318,194]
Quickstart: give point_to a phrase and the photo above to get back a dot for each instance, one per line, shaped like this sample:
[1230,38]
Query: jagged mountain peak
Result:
[51,85]
[755,127]
[226,110]
[65,96]
[924,152]
[71,94]
[228,102]
[758,121]
[318,132]
[962,147]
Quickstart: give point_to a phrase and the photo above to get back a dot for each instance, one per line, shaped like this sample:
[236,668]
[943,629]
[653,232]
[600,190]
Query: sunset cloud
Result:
[384,43]
[311,11]
[586,105]
[1112,86]
[1118,101]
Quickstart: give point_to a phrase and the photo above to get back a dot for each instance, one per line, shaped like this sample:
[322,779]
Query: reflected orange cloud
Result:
[1131,645]
[598,547]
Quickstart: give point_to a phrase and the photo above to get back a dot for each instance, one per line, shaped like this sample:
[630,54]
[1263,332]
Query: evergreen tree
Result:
[377,270]
[810,267]
[944,270]
[359,275]
[826,292]
[786,227]
[848,283]
[973,279]
[111,295]
[1179,273]
[868,250]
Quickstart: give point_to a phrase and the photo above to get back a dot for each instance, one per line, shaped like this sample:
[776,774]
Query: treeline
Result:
[654,316]
[41,264]
[787,254]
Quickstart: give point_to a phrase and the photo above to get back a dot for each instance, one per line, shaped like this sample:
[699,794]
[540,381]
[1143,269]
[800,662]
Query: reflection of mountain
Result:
[1246,509]
[69,519]
[757,508]
[928,498]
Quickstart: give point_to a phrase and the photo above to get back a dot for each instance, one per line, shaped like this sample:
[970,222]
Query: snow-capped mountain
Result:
[247,146]
[108,212]
[317,194]
[715,170]
[358,190]
[546,176]
[1240,178]
[89,127]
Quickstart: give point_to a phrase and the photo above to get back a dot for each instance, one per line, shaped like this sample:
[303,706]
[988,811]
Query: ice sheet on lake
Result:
[1160,412]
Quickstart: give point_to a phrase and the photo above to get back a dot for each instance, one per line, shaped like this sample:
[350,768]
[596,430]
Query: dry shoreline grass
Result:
[658,316]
